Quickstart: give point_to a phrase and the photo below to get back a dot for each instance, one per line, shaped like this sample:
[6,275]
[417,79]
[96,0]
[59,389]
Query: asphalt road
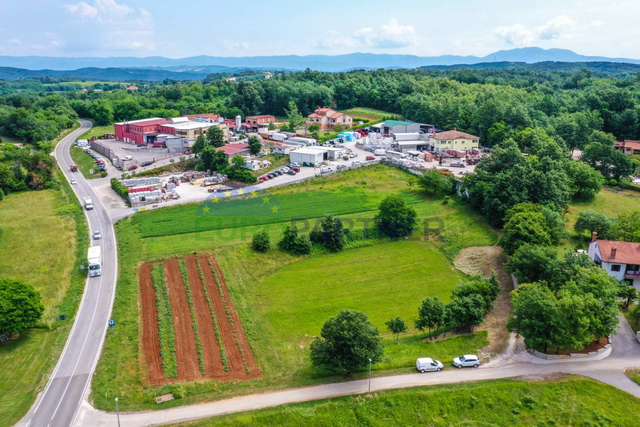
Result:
[58,404]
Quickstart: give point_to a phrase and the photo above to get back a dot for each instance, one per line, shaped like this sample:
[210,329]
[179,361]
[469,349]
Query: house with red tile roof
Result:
[619,259]
[231,150]
[453,140]
[628,147]
[328,119]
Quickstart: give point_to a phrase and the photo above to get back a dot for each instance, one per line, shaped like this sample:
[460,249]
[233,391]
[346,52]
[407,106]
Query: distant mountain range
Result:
[198,67]
[293,62]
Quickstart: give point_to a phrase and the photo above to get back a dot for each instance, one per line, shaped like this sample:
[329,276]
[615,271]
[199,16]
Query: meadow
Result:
[567,401]
[50,223]
[85,163]
[369,113]
[96,131]
[283,300]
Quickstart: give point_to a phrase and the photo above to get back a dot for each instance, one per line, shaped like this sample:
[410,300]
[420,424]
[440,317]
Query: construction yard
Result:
[190,328]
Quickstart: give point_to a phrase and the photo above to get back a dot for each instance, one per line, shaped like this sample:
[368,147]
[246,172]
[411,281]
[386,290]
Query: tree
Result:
[635,314]
[535,316]
[431,314]
[214,159]
[524,227]
[295,118]
[593,221]
[271,126]
[396,326]
[238,161]
[626,227]
[347,343]
[313,127]
[467,312]
[333,234]
[261,242]
[436,183]
[395,218]
[533,263]
[628,294]
[294,243]
[487,289]
[215,136]
[586,182]
[102,112]
[255,146]
[200,144]
[605,158]
[20,306]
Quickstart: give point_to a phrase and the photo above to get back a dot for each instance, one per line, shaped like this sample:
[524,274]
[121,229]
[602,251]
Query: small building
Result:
[332,152]
[309,156]
[305,141]
[253,123]
[132,87]
[628,147]
[328,119]
[257,164]
[453,140]
[389,127]
[231,150]
[281,149]
[139,131]
[619,259]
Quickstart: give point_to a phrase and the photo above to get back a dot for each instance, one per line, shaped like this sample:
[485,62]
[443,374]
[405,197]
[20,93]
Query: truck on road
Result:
[73,168]
[94,258]
[88,204]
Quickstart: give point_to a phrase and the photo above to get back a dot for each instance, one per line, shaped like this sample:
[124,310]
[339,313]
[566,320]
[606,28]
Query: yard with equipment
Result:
[281,300]
[50,222]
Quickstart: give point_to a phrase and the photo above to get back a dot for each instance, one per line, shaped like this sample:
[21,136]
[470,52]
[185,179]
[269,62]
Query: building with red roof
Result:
[628,147]
[231,150]
[328,119]
[619,259]
[139,131]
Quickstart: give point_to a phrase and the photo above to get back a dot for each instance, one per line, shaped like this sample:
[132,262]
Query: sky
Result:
[178,29]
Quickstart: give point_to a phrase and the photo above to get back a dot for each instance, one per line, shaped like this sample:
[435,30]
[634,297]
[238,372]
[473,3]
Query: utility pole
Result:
[118,412]
[369,377]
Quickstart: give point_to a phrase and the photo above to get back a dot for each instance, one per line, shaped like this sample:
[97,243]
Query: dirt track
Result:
[240,359]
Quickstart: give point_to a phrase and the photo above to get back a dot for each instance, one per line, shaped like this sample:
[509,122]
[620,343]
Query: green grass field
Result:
[85,163]
[284,300]
[569,401]
[51,224]
[369,113]
[634,375]
[96,131]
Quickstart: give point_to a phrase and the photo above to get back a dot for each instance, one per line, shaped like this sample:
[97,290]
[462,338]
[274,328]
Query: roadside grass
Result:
[627,314]
[84,162]
[634,375]
[96,131]
[569,400]
[369,113]
[50,222]
[281,310]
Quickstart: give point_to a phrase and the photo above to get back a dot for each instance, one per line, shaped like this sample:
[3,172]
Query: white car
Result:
[466,361]
[425,364]
[97,235]
[73,181]
[326,169]
[126,158]
[356,163]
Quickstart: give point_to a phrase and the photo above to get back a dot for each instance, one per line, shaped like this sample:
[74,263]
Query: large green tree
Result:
[395,218]
[431,314]
[255,146]
[215,136]
[20,306]
[346,344]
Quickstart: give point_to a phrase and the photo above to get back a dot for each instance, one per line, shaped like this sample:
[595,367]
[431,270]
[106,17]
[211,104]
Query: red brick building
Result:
[139,131]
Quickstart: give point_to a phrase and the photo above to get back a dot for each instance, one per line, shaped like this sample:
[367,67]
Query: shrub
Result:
[120,189]
[294,243]
[261,242]
[613,182]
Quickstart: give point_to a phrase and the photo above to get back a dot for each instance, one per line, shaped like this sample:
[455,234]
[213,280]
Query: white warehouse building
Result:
[308,156]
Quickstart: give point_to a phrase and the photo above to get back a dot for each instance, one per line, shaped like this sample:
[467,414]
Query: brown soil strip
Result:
[210,349]
[242,339]
[149,340]
[186,351]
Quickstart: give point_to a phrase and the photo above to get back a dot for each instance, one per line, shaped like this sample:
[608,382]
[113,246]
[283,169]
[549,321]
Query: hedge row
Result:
[165,322]
[629,185]
[120,189]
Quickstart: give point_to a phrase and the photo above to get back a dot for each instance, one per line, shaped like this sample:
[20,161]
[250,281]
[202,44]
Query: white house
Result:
[619,259]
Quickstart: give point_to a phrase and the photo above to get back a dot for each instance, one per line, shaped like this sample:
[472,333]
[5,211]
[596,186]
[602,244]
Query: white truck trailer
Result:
[95,261]
[88,204]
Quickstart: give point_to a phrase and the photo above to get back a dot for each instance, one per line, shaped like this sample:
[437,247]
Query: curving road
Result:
[58,404]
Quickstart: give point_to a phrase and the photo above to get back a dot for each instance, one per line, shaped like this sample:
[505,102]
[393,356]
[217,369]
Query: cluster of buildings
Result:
[328,119]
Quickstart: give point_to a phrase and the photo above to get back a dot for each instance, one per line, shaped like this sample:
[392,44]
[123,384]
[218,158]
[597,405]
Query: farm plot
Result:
[190,328]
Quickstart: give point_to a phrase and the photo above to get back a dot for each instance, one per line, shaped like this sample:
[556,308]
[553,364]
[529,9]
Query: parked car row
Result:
[291,169]
[426,364]
[99,161]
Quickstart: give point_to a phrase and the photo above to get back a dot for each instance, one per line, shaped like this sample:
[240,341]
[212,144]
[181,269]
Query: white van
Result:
[126,158]
[379,152]
[326,169]
[425,364]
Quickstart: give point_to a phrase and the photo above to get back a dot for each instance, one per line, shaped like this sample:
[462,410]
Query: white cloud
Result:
[233,45]
[120,26]
[554,28]
[15,41]
[598,23]
[390,35]
[519,35]
[82,9]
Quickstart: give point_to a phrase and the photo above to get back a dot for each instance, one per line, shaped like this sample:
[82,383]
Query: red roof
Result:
[233,149]
[336,115]
[623,252]
[150,122]
[635,145]
[264,116]
[315,115]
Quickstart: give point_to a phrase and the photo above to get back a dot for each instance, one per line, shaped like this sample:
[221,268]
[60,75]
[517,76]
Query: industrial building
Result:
[309,156]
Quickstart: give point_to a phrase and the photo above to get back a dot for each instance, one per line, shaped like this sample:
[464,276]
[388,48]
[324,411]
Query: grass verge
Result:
[97,132]
[85,163]
[634,375]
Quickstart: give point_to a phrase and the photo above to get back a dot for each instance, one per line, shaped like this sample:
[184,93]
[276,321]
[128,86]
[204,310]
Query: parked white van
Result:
[425,364]
[126,158]
[326,169]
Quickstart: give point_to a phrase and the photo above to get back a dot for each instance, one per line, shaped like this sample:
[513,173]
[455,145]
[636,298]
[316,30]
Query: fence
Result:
[103,149]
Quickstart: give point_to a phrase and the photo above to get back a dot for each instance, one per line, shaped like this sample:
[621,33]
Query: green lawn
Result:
[85,163]
[50,223]
[627,314]
[96,131]
[369,113]
[284,300]
[569,401]
[634,375]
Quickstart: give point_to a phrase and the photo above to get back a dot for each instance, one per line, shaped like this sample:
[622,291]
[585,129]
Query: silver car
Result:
[466,361]
[97,235]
